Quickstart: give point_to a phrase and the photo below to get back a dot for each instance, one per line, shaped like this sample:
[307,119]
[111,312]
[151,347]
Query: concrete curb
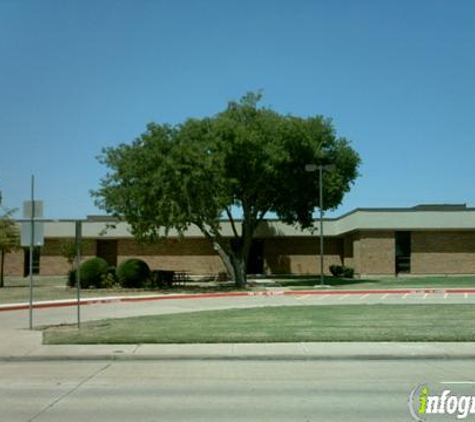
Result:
[260,358]
[141,298]
[30,349]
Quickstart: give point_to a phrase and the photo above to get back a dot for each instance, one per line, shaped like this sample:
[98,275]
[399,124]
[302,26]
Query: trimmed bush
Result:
[336,270]
[93,272]
[342,271]
[348,272]
[71,278]
[133,273]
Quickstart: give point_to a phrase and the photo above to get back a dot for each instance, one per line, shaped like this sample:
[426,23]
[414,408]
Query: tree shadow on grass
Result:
[306,281]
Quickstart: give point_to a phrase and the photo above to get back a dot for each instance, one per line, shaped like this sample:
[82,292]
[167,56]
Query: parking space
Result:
[407,298]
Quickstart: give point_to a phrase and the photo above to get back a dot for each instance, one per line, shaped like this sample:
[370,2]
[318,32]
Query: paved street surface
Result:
[218,390]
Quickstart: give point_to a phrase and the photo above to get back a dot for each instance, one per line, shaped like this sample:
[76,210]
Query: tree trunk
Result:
[235,254]
[2,262]
[226,260]
[235,265]
[239,266]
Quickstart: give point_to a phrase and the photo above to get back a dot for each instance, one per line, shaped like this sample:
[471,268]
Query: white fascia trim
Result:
[354,221]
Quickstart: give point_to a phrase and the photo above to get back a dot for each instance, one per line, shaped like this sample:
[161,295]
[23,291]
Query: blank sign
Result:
[38,234]
[28,209]
[33,210]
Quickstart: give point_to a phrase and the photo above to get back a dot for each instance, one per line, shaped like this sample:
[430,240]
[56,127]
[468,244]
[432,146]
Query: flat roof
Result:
[421,217]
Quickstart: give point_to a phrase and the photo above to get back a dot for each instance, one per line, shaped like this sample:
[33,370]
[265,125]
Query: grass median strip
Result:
[280,324]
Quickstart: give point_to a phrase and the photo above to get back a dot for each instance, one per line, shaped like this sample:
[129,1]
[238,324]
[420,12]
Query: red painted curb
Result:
[98,301]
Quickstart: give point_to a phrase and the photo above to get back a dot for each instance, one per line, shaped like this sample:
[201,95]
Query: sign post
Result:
[32,235]
[78,266]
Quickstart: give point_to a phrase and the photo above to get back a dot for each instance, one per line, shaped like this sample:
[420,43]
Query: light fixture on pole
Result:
[320,168]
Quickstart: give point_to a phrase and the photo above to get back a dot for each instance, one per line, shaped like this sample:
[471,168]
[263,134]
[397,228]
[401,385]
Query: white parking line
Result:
[384,296]
[343,297]
[425,296]
[302,297]
[364,296]
[466,295]
[405,295]
[445,295]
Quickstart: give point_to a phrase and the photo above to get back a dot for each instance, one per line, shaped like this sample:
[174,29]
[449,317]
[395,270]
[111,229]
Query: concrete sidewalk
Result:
[25,345]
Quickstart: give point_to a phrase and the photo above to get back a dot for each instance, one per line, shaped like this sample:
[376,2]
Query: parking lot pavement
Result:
[116,308]
[403,298]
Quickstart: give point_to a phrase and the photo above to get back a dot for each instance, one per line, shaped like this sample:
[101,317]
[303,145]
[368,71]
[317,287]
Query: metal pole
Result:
[78,275]
[320,171]
[32,236]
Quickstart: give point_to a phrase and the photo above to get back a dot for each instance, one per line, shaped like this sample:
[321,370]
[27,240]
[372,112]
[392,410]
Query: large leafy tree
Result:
[246,161]
[9,238]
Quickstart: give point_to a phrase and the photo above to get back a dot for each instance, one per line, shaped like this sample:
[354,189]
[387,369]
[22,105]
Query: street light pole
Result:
[320,188]
[320,168]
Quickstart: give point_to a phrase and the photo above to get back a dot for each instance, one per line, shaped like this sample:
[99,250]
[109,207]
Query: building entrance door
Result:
[255,264]
[107,250]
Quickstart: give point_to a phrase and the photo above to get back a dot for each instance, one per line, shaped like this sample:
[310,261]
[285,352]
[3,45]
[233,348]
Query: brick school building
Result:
[423,240]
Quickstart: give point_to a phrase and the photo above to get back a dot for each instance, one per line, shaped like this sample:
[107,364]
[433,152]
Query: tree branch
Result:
[231,219]
[262,215]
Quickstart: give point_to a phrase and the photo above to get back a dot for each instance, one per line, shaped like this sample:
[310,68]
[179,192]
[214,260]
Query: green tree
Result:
[9,239]
[247,161]
[68,250]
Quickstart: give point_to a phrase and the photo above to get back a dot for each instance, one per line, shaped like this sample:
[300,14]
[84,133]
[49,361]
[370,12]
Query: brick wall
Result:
[448,252]
[193,255]
[349,243]
[374,253]
[300,255]
[14,264]
[281,256]
[52,261]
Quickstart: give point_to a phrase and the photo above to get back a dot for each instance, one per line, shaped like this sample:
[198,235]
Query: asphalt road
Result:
[218,390]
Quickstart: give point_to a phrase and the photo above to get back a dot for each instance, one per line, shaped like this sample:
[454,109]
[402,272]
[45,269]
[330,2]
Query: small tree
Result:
[9,240]
[68,250]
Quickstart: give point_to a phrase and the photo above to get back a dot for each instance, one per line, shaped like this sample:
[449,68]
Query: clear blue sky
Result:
[396,76]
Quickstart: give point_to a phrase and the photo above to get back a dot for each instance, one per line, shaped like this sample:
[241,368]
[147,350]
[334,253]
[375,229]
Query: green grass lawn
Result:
[51,288]
[280,324]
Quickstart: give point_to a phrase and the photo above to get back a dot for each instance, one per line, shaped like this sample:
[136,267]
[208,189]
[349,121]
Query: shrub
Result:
[110,279]
[92,273]
[71,278]
[348,272]
[336,270]
[133,273]
[160,279]
[342,271]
